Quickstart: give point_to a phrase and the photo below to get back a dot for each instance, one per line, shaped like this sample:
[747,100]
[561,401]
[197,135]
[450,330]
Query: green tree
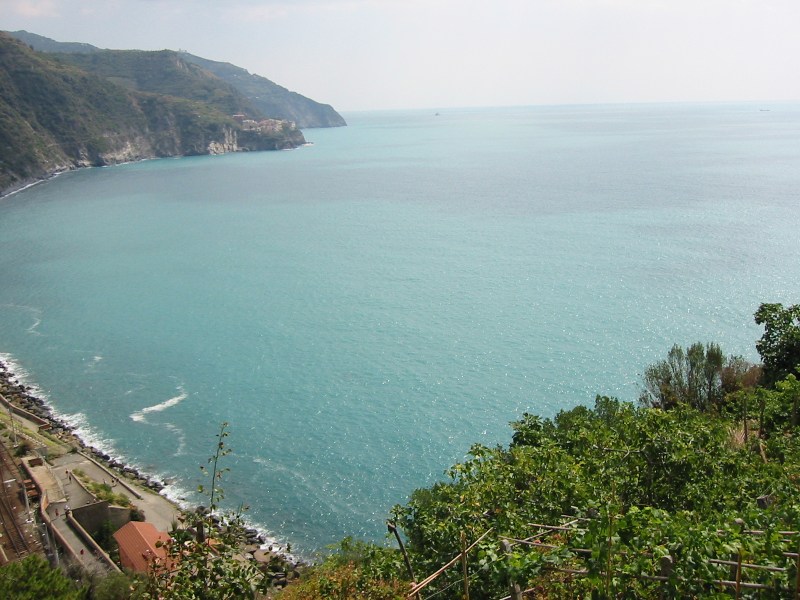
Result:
[789,388]
[739,374]
[117,586]
[692,377]
[779,347]
[32,578]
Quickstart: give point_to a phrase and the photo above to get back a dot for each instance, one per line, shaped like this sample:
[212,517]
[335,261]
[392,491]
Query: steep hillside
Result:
[55,116]
[271,99]
[163,72]
[169,72]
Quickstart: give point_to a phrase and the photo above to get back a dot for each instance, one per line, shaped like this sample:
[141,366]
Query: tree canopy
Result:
[32,578]
[779,347]
[692,376]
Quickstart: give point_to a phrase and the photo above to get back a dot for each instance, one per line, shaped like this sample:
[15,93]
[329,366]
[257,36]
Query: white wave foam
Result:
[32,329]
[18,375]
[173,490]
[187,500]
[35,314]
[30,185]
[139,415]
[81,428]
[272,542]
[135,390]
[92,364]
[180,436]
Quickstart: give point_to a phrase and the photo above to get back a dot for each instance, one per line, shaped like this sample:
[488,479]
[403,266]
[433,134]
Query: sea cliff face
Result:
[55,116]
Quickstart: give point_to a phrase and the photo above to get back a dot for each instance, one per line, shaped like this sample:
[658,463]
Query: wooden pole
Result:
[746,428]
[738,575]
[608,558]
[513,587]
[418,587]
[797,578]
[464,565]
[393,529]
[666,565]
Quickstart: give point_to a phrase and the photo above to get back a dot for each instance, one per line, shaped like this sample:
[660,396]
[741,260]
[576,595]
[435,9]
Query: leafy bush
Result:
[644,484]
[779,347]
[357,571]
[32,578]
[23,448]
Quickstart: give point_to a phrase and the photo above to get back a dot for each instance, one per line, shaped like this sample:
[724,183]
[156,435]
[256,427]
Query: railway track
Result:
[14,541]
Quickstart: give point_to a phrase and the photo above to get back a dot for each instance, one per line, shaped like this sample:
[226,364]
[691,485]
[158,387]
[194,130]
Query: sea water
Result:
[362,310]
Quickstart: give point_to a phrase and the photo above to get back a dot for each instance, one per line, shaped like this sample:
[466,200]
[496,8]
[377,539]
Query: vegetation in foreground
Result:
[691,494]
[667,499]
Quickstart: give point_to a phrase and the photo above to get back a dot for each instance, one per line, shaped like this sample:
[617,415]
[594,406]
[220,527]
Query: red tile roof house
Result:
[137,545]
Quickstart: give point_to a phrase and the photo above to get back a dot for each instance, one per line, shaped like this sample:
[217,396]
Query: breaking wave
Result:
[139,415]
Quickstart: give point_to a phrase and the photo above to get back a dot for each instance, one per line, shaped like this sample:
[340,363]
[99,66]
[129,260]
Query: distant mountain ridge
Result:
[264,98]
[45,44]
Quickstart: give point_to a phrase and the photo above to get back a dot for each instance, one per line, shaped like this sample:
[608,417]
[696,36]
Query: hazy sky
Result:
[376,54]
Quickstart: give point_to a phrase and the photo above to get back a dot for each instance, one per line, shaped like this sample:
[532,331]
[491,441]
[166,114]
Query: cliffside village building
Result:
[265,125]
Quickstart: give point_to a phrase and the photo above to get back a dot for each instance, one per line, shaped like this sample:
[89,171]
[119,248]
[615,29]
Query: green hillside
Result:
[44,44]
[188,76]
[164,72]
[270,98]
[55,116]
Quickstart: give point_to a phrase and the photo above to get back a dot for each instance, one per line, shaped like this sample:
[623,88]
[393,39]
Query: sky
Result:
[398,54]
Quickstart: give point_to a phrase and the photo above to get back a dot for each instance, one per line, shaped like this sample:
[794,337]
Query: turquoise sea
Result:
[363,309]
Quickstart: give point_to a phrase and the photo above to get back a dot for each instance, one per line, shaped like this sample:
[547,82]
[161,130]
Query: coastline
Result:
[21,186]
[34,408]
[29,183]
[27,404]
[24,184]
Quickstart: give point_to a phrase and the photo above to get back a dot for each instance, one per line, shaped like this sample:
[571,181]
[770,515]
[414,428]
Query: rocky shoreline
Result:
[27,405]
[22,396]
